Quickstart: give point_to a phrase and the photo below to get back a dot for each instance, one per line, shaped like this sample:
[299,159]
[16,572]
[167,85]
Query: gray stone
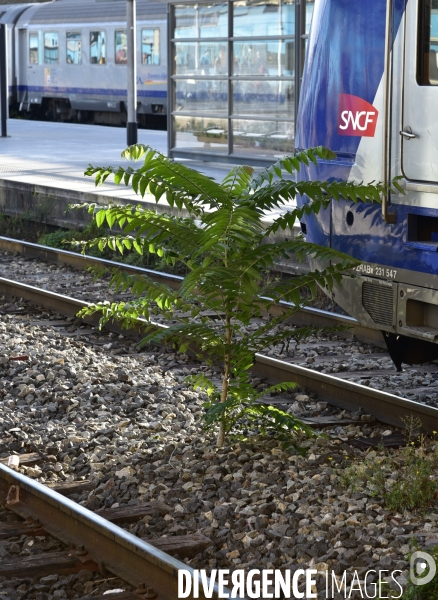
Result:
[84,576]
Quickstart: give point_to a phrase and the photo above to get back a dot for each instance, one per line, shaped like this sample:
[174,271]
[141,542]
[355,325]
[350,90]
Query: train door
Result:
[420,111]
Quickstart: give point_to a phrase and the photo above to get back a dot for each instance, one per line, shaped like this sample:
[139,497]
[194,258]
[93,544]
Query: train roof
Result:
[10,12]
[83,11]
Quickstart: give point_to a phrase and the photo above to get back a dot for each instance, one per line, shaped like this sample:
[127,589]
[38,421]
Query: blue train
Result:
[370,93]
[67,60]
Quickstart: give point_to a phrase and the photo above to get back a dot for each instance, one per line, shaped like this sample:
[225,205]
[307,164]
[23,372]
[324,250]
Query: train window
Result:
[97,48]
[34,49]
[150,46]
[427,54]
[121,47]
[74,47]
[51,49]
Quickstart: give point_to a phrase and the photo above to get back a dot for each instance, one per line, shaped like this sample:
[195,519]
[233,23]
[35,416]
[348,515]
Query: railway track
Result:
[79,548]
[90,542]
[338,390]
[55,256]
[95,543]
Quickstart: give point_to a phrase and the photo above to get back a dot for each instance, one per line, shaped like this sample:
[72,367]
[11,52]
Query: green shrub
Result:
[226,249]
[404,480]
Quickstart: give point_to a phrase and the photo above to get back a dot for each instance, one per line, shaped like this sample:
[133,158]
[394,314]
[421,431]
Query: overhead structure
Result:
[131,124]
[3,81]
[235,68]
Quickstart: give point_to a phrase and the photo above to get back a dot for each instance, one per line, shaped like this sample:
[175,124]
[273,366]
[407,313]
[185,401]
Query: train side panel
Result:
[76,69]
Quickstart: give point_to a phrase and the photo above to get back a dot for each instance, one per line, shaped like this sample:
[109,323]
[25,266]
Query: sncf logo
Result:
[356,116]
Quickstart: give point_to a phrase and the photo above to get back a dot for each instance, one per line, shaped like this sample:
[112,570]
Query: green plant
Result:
[65,239]
[405,481]
[56,239]
[23,226]
[225,247]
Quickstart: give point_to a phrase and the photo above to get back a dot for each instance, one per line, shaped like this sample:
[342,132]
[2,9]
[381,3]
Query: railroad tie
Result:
[185,546]
[47,563]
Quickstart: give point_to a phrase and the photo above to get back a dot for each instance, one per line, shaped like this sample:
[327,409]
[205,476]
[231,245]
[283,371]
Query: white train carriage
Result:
[70,61]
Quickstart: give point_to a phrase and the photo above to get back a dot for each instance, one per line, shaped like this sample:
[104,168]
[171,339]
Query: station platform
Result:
[42,168]
[58,153]
[49,159]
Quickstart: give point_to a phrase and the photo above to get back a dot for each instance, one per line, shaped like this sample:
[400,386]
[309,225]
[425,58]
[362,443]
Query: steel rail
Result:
[81,261]
[386,407]
[305,316]
[113,549]
[66,305]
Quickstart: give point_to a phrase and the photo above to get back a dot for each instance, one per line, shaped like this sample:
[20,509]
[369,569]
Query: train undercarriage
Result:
[61,110]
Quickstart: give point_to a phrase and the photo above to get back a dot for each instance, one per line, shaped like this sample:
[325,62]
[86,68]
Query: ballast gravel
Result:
[341,356]
[133,426]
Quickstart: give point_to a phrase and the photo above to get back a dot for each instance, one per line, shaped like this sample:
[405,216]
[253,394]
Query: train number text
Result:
[376,271]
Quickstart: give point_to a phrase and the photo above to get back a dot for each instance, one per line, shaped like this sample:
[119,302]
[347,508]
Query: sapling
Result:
[226,247]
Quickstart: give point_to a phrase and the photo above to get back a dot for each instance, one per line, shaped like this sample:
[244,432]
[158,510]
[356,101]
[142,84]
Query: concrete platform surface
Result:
[42,168]
[57,154]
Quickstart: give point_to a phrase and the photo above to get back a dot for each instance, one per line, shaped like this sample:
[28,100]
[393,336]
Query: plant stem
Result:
[225,378]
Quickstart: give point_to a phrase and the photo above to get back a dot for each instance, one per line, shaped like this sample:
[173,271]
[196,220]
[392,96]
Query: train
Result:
[369,93]
[67,61]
